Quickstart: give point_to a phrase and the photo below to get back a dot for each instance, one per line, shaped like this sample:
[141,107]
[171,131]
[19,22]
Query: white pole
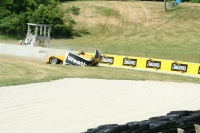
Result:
[49,32]
[36,30]
[164,5]
[40,30]
[45,30]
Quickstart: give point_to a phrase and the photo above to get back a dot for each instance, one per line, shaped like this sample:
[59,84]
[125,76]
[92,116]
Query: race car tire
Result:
[53,60]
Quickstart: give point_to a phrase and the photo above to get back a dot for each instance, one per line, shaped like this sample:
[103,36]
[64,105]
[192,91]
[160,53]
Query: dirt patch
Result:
[131,12]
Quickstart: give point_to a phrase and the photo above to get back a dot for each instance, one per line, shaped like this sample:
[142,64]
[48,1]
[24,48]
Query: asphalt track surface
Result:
[74,105]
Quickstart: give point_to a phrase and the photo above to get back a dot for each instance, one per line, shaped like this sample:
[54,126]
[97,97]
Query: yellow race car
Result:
[80,59]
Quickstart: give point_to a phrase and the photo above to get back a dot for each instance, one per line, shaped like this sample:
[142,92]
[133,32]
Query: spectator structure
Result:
[41,32]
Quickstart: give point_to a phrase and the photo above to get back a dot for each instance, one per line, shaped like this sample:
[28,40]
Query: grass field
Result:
[17,70]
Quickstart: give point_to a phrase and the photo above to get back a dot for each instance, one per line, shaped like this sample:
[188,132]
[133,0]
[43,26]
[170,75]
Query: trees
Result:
[16,13]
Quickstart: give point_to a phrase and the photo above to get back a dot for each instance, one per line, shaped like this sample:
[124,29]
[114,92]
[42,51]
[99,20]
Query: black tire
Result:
[173,119]
[174,115]
[172,130]
[53,60]
[191,118]
[182,120]
[145,121]
[197,115]
[172,123]
[183,112]
[137,131]
[123,127]
[106,126]
[146,131]
[133,125]
[159,118]
[197,111]
[114,129]
[128,131]
[179,125]
[92,130]
[144,126]
[164,125]
[155,128]
[192,123]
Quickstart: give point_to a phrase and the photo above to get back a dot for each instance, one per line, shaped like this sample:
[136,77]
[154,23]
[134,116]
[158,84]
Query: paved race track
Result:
[74,105]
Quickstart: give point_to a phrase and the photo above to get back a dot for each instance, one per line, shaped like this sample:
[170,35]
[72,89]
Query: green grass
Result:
[17,70]
[107,12]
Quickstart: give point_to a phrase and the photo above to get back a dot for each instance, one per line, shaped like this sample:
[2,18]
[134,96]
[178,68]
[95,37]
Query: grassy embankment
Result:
[137,29]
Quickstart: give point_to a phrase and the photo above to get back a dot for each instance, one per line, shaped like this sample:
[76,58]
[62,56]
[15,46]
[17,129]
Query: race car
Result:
[80,59]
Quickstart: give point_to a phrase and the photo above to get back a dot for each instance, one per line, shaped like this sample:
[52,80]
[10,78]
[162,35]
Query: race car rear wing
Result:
[77,60]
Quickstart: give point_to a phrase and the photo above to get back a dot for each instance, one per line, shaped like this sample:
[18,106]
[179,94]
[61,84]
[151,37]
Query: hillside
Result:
[136,28]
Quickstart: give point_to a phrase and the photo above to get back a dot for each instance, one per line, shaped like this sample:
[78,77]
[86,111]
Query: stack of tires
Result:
[168,123]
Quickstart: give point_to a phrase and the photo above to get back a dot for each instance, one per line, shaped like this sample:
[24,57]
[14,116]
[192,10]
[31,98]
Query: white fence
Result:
[38,53]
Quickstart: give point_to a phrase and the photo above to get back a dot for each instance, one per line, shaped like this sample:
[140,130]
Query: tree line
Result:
[14,14]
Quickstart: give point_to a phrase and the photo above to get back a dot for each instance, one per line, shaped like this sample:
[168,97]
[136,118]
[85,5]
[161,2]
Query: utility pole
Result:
[164,5]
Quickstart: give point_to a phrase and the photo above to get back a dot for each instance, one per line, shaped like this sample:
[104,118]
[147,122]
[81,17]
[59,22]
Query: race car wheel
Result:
[53,60]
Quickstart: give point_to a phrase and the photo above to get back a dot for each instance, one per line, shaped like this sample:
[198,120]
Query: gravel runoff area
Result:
[74,105]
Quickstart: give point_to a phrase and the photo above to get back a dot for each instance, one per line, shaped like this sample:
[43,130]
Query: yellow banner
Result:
[151,64]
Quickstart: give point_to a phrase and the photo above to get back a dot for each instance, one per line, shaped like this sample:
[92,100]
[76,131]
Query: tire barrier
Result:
[166,124]
[150,64]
